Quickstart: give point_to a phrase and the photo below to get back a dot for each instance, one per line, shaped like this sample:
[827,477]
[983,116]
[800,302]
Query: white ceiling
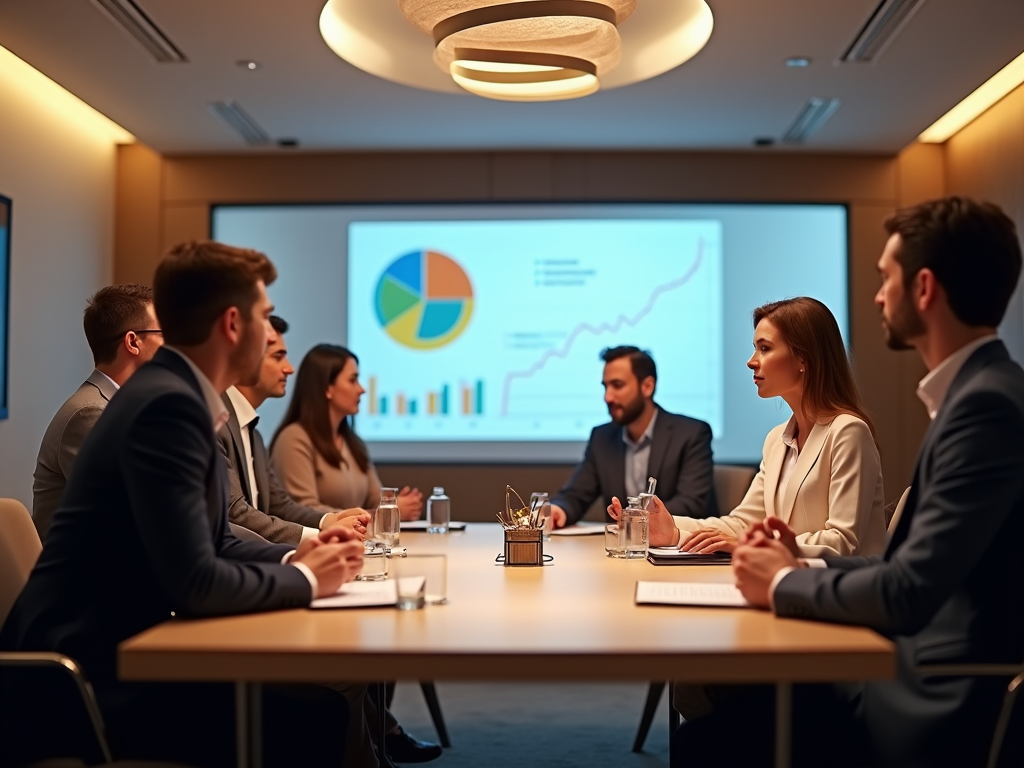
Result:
[733,91]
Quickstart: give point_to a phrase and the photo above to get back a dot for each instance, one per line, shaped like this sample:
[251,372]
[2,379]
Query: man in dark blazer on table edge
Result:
[642,440]
[949,588]
[142,535]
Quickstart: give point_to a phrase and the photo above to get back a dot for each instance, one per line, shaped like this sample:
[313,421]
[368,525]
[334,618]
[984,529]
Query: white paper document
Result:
[583,528]
[360,594]
[689,593]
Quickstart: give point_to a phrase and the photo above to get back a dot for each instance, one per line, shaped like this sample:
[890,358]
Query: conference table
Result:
[574,619]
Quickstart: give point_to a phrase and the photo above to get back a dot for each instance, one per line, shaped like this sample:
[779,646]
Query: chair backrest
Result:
[245,534]
[898,511]
[731,484]
[19,550]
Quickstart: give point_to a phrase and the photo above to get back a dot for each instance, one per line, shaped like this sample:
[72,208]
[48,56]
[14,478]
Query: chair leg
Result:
[653,698]
[434,705]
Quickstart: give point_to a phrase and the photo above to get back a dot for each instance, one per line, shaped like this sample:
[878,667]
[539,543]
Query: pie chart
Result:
[424,300]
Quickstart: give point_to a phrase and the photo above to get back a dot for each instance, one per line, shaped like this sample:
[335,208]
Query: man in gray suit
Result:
[259,502]
[949,588]
[123,333]
[641,441]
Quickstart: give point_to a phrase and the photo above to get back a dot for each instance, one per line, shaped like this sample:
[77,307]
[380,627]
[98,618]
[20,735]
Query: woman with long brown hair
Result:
[820,471]
[316,453]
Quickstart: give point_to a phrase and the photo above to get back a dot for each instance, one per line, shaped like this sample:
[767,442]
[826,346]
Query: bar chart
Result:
[463,399]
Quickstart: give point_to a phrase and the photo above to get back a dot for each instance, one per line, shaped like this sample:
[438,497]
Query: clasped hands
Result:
[335,557]
[764,550]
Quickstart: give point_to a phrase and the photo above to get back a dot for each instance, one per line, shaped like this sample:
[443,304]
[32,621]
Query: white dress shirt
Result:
[932,391]
[218,418]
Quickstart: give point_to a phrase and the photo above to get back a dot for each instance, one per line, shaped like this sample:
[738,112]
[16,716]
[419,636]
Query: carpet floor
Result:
[559,725]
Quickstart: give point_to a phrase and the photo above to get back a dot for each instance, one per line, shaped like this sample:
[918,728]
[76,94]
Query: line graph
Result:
[596,330]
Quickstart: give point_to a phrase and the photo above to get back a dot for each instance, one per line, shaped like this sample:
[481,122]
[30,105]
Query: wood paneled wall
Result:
[164,200]
[986,160]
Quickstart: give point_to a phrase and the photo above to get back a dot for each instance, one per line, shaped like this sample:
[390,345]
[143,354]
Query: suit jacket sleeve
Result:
[851,493]
[75,431]
[169,461]
[692,493]
[976,460]
[583,487]
[240,512]
[294,460]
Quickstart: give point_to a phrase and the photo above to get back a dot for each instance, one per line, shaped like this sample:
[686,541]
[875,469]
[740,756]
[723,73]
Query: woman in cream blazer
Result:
[820,471]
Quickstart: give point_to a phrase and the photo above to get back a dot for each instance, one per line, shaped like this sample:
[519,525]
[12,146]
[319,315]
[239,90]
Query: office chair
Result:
[731,484]
[19,550]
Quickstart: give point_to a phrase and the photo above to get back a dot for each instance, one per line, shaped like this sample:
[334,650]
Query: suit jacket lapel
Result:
[659,448]
[808,458]
[989,353]
[238,447]
[616,477]
[772,472]
[262,467]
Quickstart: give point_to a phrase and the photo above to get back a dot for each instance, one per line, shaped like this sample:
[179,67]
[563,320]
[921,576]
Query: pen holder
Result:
[524,547]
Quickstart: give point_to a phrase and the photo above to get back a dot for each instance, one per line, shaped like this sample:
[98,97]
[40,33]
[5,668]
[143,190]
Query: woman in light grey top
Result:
[316,453]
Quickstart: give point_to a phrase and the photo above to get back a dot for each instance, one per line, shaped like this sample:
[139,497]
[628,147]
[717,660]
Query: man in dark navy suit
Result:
[141,534]
[949,588]
[641,441]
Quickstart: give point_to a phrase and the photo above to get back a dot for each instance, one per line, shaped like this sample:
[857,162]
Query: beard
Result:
[247,357]
[905,324]
[630,411]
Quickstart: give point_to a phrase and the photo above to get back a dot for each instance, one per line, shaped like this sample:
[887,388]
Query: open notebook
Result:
[689,593]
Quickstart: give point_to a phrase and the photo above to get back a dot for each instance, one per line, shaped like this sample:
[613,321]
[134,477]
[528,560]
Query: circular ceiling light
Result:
[517,50]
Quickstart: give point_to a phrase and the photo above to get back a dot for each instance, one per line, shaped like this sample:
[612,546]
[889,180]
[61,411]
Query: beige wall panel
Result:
[522,176]
[477,492]
[330,178]
[716,177]
[986,161]
[138,207]
[181,223]
[875,366]
[922,173]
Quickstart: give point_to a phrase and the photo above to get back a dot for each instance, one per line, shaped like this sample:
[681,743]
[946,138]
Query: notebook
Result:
[673,556]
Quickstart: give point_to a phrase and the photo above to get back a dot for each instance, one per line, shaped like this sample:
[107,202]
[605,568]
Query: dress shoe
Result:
[403,748]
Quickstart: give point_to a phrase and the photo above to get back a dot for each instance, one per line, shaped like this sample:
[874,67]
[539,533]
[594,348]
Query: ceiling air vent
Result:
[133,20]
[887,19]
[814,114]
[240,121]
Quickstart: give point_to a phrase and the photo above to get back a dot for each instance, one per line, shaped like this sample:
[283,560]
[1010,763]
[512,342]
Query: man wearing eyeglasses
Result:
[123,333]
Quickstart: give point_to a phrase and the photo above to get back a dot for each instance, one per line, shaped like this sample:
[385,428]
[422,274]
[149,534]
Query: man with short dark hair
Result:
[123,334]
[142,535]
[258,500]
[642,440]
[949,589]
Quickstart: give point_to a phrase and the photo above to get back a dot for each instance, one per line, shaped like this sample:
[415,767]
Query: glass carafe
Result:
[387,518]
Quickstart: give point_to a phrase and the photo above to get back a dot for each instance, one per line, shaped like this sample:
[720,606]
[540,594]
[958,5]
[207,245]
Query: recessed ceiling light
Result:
[248,64]
[798,61]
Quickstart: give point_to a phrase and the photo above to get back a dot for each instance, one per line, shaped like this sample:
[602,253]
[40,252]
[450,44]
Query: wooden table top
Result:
[573,619]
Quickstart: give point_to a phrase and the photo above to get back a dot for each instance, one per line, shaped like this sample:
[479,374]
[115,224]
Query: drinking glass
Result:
[387,518]
[375,563]
[634,530]
[612,547]
[420,580]
[539,500]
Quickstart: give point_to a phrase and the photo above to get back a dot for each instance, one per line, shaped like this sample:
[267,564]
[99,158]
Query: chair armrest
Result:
[46,659]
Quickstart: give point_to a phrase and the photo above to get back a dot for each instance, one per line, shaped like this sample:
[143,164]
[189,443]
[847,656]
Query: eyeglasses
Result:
[139,332]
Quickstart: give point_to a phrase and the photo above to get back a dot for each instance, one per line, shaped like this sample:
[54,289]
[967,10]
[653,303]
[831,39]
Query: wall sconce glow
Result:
[995,88]
[517,50]
[51,96]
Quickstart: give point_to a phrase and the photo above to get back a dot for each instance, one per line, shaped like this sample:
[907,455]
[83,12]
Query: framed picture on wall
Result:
[5,297]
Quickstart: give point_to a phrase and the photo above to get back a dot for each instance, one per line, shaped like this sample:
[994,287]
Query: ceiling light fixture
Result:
[517,50]
[988,93]
[248,64]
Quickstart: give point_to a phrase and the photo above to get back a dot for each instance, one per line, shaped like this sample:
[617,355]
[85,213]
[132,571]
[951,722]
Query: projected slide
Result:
[492,330]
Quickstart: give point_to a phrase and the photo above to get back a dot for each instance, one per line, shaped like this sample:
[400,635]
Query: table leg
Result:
[382,703]
[783,723]
[241,725]
[248,725]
